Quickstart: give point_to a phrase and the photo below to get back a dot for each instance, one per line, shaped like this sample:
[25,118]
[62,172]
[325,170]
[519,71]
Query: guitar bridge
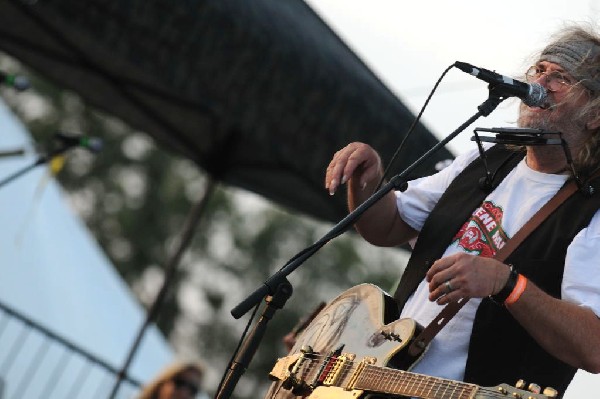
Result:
[293,381]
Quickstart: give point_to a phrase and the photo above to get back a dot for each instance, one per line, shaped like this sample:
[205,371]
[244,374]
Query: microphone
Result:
[92,144]
[532,94]
[12,153]
[16,81]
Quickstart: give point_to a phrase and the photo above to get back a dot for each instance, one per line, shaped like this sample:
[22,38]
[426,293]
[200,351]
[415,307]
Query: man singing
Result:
[535,315]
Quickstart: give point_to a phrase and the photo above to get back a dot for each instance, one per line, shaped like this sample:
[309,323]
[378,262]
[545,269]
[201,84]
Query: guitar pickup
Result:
[338,369]
[326,366]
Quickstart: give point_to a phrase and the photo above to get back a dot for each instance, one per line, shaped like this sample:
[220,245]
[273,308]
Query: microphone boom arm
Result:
[270,286]
[42,159]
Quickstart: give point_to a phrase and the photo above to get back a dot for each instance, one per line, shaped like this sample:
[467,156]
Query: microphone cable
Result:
[327,238]
[411,129]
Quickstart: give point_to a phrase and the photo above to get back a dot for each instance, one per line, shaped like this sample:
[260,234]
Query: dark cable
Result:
[411,128]
[237,349]
[326,239]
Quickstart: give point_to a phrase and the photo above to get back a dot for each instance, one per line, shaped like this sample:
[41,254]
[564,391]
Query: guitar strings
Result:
[395,376]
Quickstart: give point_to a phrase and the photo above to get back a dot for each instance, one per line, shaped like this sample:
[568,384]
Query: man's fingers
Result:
[344,164]
[451,297]
[439,266]
[334,171]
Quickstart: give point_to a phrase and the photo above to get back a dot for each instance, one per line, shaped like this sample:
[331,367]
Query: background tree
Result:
[134,197]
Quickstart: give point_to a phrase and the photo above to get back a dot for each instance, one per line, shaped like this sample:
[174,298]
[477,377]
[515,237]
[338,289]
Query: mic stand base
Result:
[241,362]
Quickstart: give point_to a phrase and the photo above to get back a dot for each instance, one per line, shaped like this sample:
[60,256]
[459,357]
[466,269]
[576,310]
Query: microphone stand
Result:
[42,159]
[278,281]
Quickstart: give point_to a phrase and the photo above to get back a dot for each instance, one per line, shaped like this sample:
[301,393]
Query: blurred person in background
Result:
[181,380]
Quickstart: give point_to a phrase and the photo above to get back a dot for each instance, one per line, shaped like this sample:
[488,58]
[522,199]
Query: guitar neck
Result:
[344,372]
[398,382]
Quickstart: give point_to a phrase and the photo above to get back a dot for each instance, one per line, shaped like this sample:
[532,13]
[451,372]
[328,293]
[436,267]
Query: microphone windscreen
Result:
[94,144]
[20,83]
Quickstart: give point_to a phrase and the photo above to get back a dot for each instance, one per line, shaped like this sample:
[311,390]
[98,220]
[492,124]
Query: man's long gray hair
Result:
[576,49]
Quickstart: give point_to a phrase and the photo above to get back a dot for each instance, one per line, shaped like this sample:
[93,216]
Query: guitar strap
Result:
[424,338]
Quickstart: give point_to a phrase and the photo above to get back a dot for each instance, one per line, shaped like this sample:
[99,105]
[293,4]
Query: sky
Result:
[409,44]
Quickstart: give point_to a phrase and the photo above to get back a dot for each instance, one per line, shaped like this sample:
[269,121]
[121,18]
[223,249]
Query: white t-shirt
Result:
[522,193]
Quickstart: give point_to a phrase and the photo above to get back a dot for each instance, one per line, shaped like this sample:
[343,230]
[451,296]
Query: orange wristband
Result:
[517,291]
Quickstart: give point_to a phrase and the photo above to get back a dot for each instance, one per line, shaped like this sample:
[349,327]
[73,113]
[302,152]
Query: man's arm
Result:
[359,165]
[569,332]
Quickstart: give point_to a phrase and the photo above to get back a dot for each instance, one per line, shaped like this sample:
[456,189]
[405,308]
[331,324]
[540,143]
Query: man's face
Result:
[565,98]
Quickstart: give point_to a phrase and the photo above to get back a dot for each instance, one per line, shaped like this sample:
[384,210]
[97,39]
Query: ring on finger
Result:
[449,287]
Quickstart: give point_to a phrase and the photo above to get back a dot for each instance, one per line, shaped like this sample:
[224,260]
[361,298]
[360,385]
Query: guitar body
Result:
[359,350]
[362,321]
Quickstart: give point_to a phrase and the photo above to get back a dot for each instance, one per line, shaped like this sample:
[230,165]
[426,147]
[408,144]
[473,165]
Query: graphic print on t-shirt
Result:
[483,234]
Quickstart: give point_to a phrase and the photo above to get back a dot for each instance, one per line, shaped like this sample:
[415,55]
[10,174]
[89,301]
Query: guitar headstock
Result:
[519,391]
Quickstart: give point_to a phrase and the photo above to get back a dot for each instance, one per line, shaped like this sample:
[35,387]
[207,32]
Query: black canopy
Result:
[258,93]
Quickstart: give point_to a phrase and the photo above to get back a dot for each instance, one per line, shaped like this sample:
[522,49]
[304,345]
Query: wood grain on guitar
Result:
[345,352]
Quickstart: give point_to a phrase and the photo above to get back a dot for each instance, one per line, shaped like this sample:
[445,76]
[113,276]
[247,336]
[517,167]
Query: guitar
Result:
[341,377]
[339,357]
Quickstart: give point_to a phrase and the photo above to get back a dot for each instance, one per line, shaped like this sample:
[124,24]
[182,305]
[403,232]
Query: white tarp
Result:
[53,271]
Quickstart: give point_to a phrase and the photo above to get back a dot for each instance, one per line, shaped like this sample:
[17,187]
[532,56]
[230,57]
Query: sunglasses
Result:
[181,383]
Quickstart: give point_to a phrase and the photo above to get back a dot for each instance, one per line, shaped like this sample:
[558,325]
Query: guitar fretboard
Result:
[398,382]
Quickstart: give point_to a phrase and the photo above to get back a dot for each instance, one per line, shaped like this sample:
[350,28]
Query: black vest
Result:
[500,350]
